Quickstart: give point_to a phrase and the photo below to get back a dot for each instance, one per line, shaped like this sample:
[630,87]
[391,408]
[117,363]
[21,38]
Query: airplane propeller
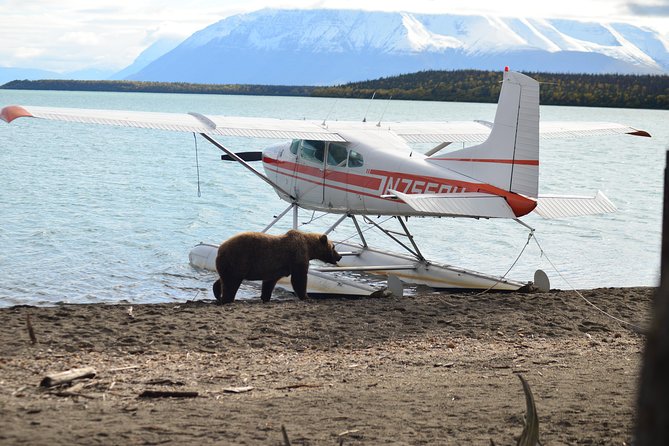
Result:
[246,156]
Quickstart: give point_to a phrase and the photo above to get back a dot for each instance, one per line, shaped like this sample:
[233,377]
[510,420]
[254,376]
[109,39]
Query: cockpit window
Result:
[355,159]
[294,146]
[337,155]
[313,151]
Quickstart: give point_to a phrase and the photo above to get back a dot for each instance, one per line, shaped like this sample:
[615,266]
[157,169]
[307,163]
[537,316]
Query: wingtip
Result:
[640,133]
[12,112]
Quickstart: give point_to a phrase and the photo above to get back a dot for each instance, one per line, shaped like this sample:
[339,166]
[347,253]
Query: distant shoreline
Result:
[585,90]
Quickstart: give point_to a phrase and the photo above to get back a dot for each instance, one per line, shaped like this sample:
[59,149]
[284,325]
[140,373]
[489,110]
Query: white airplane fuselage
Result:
[359,176]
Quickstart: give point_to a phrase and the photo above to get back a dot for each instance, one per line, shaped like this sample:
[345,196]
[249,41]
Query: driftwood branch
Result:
[238,389]
[286,440]
[297,386]
[56,379]
[530,435]
[167,394]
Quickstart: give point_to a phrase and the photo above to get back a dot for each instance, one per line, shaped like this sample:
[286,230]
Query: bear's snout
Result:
[335,257]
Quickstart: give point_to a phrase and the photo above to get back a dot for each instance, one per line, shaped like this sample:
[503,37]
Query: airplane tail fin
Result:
[509,158]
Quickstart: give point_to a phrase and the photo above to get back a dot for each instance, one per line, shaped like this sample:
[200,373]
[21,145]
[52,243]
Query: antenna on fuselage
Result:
[330,112]
[378,124]
[364,119]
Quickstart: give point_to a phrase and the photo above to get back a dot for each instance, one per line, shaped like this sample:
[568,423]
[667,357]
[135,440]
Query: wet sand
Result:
[433,368]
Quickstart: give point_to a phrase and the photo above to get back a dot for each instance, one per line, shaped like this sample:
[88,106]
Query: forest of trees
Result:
[158,87]
[593,90]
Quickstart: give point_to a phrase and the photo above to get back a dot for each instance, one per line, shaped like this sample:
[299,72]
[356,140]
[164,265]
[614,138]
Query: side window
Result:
[337,155]
[294,146]
[355,159]
[313,151]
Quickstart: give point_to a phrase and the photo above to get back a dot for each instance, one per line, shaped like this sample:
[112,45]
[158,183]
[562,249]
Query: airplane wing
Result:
[478,131]
[412,132]
[180,122]
[568,129]
[438,132]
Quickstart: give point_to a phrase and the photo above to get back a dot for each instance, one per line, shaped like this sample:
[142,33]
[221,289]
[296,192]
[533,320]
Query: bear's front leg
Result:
[298,279]
[216,288]
[267,288]
[229,288]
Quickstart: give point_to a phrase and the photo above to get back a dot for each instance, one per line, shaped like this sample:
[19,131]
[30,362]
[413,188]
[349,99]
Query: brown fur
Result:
[259,256]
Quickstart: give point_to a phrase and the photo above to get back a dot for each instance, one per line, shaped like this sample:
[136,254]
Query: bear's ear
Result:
[324,239]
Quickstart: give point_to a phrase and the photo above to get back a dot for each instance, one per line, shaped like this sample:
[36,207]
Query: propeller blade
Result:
[246,156]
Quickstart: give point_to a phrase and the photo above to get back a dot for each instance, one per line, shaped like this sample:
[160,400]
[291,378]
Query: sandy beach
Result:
[432,368]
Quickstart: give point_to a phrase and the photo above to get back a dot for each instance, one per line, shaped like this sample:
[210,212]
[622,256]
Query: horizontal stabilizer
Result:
[558,206]
[465,204]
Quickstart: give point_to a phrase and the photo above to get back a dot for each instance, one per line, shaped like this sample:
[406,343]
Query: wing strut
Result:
[234,156]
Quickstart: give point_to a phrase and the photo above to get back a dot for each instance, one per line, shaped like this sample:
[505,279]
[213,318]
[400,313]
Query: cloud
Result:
[109,34]
[80,38]
[655,9]
[27,53]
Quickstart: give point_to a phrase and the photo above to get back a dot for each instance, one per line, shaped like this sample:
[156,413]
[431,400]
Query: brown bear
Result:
[259,256]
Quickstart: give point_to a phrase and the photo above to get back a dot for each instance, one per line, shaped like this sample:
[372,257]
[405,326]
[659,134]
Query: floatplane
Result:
[358,170]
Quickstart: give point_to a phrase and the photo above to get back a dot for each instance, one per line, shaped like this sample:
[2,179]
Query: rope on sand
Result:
[531,236]
[636,328]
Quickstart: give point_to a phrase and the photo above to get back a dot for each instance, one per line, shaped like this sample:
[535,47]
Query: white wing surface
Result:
[478,131]
[180,122]
[568,129]
[412,132]
[438,132]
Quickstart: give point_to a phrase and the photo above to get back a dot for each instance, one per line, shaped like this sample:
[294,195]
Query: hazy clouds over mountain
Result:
[333,46]
[324,47]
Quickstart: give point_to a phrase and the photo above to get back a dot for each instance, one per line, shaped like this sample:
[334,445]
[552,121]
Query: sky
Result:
[71,35]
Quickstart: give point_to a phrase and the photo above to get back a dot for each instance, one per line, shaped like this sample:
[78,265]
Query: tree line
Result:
[592,90]
[158,87]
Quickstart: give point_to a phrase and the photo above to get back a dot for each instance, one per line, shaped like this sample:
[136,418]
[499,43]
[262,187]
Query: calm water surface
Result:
[100,214]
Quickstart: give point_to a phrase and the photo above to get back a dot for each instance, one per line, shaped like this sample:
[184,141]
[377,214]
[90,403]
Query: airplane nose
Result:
[271,152]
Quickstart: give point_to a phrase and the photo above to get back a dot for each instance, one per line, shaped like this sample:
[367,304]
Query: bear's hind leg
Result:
[229,289]
[267,288]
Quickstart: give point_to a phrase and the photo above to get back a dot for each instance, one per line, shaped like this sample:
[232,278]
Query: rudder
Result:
[509,158]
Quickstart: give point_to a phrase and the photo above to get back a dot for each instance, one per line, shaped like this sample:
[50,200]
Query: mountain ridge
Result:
[325,47]
[337,46]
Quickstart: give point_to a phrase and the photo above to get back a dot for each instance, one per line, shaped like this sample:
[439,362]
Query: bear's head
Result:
[326,251]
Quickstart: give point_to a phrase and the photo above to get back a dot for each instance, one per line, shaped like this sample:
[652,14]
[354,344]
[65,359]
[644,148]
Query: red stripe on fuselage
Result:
[520,205]
[352,179]
[400,181]
[330,186]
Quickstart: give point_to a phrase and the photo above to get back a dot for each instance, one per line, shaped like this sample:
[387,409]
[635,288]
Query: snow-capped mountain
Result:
[309,47]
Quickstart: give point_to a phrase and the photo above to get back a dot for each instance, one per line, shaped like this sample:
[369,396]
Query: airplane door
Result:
[335,176]
[286,167]
[310,172]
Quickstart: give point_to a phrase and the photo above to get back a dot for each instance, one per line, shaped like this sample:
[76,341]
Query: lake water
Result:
[101,214]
